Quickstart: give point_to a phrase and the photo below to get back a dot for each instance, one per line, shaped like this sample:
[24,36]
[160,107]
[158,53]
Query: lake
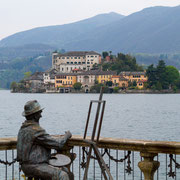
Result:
[133,116]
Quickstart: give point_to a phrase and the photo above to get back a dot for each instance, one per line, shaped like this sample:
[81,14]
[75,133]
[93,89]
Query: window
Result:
[71,77]
[62,69]
[67,68]
[87,62]
[79,57]
[83,62]
[71,62]
[79,62]
[68,57]
[75,58]
[63,57]
[75,62]
[67,62]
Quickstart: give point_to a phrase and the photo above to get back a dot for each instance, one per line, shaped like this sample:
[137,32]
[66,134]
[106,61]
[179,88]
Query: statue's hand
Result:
[68,134]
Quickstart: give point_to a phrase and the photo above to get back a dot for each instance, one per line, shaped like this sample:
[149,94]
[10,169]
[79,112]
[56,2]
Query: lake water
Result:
[132,116]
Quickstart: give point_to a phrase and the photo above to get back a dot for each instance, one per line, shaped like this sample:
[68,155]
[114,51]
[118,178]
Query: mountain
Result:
[152,30]
[60,35]
[8,54]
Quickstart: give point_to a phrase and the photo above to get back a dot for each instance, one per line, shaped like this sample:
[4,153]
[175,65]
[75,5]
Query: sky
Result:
[21,15]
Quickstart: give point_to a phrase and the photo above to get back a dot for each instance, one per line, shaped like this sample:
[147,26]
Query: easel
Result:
[94,141]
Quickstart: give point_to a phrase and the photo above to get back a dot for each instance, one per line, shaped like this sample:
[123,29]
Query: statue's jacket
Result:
[34,144]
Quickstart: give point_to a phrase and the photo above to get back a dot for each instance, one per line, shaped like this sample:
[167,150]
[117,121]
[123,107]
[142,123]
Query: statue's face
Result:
[38,115]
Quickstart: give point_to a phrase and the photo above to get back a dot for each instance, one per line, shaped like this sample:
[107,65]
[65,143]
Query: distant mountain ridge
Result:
[152,30]
[59,35]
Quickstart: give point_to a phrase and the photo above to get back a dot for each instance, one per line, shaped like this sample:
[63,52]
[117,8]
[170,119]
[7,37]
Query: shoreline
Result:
[120,92]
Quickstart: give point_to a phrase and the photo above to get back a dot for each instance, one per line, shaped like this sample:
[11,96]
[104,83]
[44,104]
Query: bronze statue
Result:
[34,146]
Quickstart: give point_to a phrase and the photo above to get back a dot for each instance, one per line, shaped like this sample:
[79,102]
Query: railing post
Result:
[148,166]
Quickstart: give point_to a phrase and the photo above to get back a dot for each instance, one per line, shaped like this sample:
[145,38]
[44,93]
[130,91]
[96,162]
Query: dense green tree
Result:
[109,83]
[162,76]
[172,75]
[104,54]
[14,86]
[77,86]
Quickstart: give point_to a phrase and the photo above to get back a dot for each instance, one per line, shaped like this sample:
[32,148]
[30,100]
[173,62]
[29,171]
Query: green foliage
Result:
[162,76]
[122,63]
[109,83]
[134,83]
[77,86]
[116,89]
[27,74]
[19,68]
[97,87]
[104,54]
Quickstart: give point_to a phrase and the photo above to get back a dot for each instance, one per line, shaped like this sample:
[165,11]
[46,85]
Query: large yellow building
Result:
[104,76]
[119,81]
[65,79]
[134,76]
[139,77]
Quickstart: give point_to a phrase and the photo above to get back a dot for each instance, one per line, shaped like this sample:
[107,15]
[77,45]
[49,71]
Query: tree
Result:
[151,74]
[134,83]
[77,86]
[14,86]
[104,54]
[27,74]
[172,75]
[109,83]
[162,75]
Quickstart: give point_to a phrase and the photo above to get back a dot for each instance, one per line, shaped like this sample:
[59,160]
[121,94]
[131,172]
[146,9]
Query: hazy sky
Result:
[20,15]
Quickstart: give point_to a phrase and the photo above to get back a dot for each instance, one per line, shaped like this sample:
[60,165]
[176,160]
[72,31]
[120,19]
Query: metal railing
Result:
[126,159]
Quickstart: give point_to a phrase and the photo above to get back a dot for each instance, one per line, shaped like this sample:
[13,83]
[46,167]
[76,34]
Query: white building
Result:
[83,60]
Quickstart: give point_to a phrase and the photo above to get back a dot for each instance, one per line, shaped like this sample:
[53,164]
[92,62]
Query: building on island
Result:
[104,76]
[83,60]
[119,81]
[139,77]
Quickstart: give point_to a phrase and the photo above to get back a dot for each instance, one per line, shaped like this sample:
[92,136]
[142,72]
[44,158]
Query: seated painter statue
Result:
[34,147]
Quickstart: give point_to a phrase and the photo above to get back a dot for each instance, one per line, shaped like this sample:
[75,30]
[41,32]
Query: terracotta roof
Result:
[115,76]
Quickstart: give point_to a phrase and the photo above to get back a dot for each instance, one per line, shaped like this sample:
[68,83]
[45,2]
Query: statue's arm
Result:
[51,142]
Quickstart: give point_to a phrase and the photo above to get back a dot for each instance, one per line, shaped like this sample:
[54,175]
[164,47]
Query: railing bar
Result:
[73,161]
[124,166]
[116,165]
[6,164]
[158,168]
[109,161]
[12,165]
[133,165]
[101,171]
[141,171]
[175,168]
[79,162]
[166,166]
[94,168]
